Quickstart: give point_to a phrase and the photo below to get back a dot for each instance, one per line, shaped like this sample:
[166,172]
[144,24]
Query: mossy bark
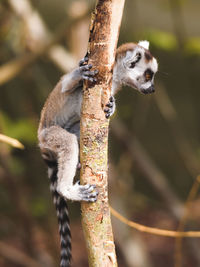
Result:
[96,221]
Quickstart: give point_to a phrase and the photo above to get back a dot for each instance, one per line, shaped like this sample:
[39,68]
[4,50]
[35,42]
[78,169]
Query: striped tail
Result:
[63,217]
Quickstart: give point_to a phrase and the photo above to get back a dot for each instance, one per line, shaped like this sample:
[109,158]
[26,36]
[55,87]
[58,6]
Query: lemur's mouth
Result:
[148,90]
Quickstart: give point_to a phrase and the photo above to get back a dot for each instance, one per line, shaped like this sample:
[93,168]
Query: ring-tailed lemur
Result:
[59,127]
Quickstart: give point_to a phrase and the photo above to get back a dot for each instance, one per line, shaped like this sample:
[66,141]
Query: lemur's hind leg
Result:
[66,149]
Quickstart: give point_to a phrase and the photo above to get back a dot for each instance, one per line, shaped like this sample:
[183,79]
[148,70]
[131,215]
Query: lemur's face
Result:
[139,68]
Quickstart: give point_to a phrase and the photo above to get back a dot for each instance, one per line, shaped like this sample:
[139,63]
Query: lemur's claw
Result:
[110,104]
[112,99]
[88,74]
[110,107]
[83,61]
[85,68]
[88,193]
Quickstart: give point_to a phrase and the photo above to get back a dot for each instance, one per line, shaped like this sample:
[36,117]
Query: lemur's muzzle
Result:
[148,90]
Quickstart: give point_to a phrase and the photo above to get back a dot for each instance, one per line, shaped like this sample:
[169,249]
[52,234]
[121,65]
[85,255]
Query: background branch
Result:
[39,44]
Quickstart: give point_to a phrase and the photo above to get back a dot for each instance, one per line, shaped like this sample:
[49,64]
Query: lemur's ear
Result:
[144,44]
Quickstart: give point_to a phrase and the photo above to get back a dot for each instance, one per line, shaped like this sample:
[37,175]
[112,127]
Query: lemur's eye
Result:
[132,65]
[148,74]
[148,77]
[138,55]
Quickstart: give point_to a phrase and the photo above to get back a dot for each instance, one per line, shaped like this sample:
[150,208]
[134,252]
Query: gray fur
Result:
[59,129]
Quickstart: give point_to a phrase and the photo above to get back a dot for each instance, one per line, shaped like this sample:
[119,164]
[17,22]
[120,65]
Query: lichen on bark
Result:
[96,221]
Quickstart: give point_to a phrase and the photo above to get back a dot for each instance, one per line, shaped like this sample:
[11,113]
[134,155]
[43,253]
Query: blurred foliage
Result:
[39,207]
[23,129]
[193,46]
[162,40]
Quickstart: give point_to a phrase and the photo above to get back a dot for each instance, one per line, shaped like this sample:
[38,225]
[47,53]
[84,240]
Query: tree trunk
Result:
[96,221]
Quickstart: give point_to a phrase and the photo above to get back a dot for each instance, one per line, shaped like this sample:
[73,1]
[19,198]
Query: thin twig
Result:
[152,230]
[11,141]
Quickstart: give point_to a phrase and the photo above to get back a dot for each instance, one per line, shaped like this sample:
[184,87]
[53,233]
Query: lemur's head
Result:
[135,67]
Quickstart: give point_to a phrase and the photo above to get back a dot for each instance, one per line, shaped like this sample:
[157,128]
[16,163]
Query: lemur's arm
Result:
[75,78]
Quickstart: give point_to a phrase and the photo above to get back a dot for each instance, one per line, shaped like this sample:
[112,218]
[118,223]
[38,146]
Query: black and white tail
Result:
[63,216]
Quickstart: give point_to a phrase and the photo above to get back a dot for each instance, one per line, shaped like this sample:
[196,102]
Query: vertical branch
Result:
[96,222]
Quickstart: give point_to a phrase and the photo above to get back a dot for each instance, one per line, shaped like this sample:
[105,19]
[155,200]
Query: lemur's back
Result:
[62,109]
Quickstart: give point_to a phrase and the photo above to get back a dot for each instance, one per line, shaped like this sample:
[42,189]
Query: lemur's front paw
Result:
[86,73]
[110,107]
[88,192]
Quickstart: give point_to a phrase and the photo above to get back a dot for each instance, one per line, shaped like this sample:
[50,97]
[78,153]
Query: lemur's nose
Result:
[151,89]
[148,90]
